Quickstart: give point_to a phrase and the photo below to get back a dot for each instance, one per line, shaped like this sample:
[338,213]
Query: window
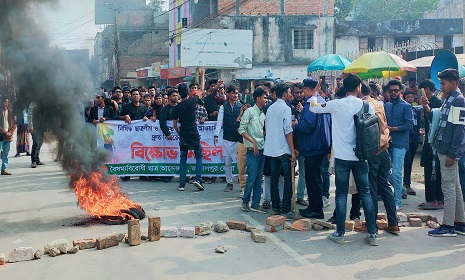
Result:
[303,39]
[447,42]
[178,50]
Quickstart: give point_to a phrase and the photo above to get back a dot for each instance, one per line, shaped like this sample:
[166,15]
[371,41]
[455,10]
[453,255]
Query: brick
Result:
[350,225]
[237,225]
[61,244]
[432,224]
[422,216]
[107,241]
[273,229]
[21,254]
[54,252]
[188,232]
[317,227]
[402,217]
[381,224]
[434,219]
[302,225]
[134,238]
[258,235]
[154,228]
[86,243]
[2,259]
[203,229]
[220,227]
[38,254]
[325,224]
[404,224]
[168,231]
[73,250]
[357,224]
[415,222]
[381,216]
[275,220]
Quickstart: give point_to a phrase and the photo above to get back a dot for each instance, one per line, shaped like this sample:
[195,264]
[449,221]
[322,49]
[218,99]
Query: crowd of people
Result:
[279,126]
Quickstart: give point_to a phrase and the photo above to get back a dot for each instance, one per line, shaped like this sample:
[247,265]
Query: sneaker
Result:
[40,163]
[371,239]
[242,194]
[259,209]
[199,185]
[442,231]
[245,207]
[302,202]
[337,238]
[459,228]
[33,165]
[4,172]
[229,187]
[181,188]
[266,204]
[326,202]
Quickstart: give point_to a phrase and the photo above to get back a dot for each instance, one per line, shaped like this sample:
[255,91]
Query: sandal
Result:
[266,204]
[429,206]
[411,191]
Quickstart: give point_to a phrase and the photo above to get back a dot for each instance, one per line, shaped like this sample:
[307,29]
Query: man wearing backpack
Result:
[400,121]
[344,142]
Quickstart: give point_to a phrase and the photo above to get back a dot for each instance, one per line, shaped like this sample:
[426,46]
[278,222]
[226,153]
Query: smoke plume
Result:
[44,75]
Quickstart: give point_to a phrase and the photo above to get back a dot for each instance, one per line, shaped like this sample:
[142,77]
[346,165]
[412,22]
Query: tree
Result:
[157,5]
[383,9]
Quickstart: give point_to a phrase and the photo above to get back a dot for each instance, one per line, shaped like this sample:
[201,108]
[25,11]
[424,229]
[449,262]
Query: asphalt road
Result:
[37,206]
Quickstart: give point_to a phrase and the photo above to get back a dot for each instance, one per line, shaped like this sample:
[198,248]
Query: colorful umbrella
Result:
[329,62]
[379,61]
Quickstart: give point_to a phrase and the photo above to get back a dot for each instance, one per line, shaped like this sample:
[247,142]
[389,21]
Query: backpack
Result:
[367,133]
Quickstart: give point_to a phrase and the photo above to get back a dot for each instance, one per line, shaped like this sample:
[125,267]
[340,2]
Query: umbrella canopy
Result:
[379,61]
[329,62]
[381,74]
[422,62]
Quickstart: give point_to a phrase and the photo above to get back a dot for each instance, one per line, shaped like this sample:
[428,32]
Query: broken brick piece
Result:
[422,216]
[21,254]
[415,222]
[273,229]
[302,225]
[168,231]
[350,225]
[154,228]
[381,224]
[325,224]
[381,216]
[317,227]
[86,243]
[258,235]
[237,225]
[275,220]
[2,259]
[107,241]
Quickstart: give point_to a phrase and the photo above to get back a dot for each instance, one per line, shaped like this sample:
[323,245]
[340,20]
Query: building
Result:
[287,34]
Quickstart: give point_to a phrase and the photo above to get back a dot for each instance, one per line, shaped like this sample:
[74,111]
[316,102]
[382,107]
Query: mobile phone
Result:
[423,93]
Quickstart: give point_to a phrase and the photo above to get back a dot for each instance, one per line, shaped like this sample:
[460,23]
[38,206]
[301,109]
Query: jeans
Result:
[4,149]
[325,182]
[37,140]
[397,160]
[453,198]
[408,162]
[282,163]
[255,164]
[354,208]
[183,166]
[379,167]
[359,170]
[301,182]
[313,182]
[462,175]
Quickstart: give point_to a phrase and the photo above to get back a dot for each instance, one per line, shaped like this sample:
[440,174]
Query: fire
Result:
[99,196]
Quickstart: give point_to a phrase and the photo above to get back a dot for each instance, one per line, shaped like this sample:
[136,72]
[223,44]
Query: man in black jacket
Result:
[100,113]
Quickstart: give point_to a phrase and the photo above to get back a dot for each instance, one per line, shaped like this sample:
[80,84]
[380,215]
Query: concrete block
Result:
[154,228]
[415,222]
[21,254]
[258,235]
[220,227]
[86,243]
[61,244]
[107,241]
[134,238]
[168,231]
[275,220]
[273,229]
[188,232]
[302,225]
[237,225]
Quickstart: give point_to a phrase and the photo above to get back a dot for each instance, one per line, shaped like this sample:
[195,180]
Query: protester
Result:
[184,113]
[279,147]
[134,110]
[22,134]
[251,129]
[449,144]
[37,132]
[400,122]
[313,133]
[7,130]
[344,138]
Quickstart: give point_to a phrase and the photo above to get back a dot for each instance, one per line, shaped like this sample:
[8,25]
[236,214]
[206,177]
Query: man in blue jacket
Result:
[449,143]
[400,121]
[313,134]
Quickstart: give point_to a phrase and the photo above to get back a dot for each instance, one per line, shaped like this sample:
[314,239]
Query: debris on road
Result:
[221,227]
[220,249]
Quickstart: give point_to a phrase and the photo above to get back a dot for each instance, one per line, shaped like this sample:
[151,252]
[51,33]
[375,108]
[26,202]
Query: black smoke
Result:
[43,74]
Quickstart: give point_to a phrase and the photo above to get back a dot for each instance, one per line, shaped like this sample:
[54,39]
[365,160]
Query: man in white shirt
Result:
[279,147]
[344,141]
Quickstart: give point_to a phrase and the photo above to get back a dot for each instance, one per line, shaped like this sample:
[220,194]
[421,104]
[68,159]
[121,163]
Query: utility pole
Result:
[116,78]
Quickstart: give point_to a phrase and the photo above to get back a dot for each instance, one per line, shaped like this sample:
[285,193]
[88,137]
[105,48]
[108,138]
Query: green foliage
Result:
[383,9]
[157,5]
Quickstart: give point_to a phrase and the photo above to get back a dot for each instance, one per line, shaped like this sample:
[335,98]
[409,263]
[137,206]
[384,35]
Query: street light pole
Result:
[117,54]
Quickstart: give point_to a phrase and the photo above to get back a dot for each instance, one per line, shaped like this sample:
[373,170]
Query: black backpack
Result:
[367,130]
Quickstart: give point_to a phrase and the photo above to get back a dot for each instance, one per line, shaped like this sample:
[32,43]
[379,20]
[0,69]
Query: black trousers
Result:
[278,165]
[313,183]
[37,140]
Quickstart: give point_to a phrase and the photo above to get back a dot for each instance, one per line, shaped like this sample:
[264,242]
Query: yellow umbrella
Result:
[377,64]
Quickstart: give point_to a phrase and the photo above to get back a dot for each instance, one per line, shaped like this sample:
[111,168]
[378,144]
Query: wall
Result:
[263,7]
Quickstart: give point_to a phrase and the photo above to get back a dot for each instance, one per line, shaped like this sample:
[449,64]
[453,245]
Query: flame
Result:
[99,196]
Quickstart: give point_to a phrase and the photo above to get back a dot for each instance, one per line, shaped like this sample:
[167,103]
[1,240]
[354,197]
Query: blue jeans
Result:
[359,169]
[325,182]
[462,175]
[5,149]
[254,170]
[183,167]
[301,182]
[397,160]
